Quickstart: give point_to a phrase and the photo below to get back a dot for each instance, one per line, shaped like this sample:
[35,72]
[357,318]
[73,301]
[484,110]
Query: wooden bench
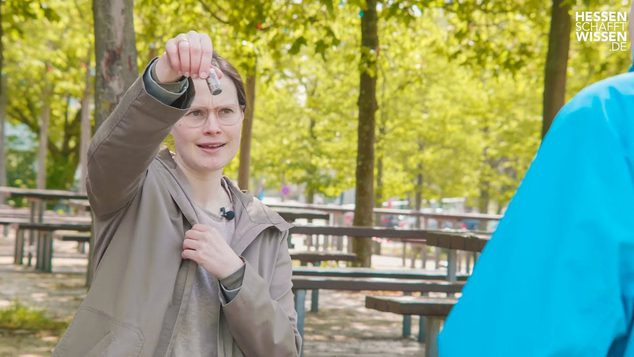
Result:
[303,283]
[374,273]
[6,222]
[79,237]
[431,311]
[318,257]
[367,273]
[291,215]
[43,240]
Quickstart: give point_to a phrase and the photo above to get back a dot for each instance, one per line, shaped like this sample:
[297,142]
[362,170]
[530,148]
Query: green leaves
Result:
[296,46]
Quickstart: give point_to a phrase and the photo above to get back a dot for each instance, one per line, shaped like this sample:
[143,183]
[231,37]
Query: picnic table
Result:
[318,257]
[374,273]
[432,312]
[291,215]
[44,243]
[36,226]
[450,240]
[303,283]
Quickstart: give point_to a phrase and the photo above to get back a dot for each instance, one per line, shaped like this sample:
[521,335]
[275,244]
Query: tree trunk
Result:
[247,126]
[556,62]
[43,148]
[115,53]
[85,134]
[378,194]
[365,138]
[483,201]
[3,111]
[418,196]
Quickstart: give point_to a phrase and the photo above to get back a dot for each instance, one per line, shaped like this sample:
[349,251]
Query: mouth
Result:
[211,147]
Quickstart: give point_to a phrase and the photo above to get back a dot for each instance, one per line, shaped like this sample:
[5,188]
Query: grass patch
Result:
[19,317]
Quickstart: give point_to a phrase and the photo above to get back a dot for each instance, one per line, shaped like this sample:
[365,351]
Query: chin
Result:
[212,166]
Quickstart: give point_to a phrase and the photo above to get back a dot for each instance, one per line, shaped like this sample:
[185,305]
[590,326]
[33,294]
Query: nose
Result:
[212,125]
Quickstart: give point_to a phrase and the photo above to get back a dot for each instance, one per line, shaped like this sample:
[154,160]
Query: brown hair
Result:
[229,70]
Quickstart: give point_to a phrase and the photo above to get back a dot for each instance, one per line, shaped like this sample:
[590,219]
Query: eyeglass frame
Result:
[202,123]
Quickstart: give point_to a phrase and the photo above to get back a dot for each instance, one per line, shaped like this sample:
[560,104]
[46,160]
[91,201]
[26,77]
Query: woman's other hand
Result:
[205,246]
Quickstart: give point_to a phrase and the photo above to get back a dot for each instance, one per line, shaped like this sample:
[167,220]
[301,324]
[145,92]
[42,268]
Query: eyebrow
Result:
[222,105]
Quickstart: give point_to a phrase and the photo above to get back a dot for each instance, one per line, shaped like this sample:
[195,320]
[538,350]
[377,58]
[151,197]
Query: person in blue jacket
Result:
[557,277]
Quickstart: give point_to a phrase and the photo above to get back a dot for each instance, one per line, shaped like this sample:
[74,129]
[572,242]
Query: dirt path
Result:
[342,327]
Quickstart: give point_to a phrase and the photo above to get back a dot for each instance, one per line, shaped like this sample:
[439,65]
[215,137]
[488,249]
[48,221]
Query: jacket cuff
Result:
[167,93]
[230,286]
[178,94]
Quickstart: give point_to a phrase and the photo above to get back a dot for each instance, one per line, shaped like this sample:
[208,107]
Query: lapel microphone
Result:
[228,215]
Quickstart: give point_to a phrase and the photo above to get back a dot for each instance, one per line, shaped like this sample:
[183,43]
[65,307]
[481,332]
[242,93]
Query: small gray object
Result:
[214,83]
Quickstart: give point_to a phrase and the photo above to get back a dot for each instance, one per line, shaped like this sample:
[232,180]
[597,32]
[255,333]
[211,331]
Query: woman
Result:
[185,263]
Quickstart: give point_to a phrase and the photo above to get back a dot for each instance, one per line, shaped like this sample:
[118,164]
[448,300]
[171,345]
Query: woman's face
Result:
[208,136]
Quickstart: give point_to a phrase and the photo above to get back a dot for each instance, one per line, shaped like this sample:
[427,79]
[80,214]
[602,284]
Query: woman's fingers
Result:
[191,244]
[190,254]
[195,53]
[207,51]
[183,54]
[187,55]
[171,48]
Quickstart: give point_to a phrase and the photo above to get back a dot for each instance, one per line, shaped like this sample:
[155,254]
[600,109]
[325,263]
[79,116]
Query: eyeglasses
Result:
[197,118]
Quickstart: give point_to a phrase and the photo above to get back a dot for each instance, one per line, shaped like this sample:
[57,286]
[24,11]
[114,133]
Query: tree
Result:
[115,51]
[16,11]
[556,62]
[364,197]
[53,50]
[3,104]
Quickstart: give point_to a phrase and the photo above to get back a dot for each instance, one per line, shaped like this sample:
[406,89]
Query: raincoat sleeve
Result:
[557,277]
[265,324]
[125,144]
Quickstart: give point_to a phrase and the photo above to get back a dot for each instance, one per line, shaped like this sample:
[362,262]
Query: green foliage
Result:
[54,54]
[21,317]
[459,86]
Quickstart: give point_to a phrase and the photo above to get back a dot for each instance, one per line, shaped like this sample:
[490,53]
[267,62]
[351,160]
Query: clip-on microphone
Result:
[228,215]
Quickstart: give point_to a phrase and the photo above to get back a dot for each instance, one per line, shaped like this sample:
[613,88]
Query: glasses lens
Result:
[228,115]
[225,115]
[195,118]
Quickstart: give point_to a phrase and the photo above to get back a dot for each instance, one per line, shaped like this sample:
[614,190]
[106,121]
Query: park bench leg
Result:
[407,325]
[437,257]
[423,257]
[458,261]
[314,300]
[452,265]
[19,247]
[404,256]
[468,257]
[39,251]
[300,302]
[34,240]
[407,322]
[432,327]
[48,252]
[421,328]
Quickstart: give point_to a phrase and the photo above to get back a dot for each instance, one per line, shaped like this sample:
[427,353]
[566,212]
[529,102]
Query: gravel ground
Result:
[342,327]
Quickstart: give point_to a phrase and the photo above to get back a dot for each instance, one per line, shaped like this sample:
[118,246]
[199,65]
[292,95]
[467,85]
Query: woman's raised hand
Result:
[187,54]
